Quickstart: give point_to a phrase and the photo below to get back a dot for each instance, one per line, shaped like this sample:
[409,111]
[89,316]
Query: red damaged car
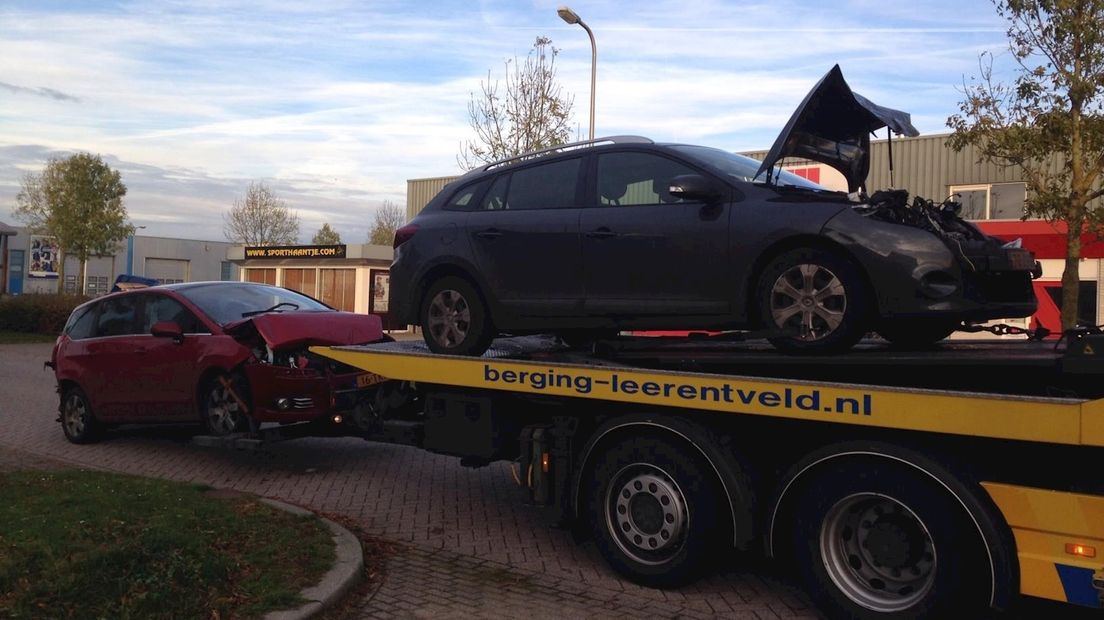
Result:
[231,355]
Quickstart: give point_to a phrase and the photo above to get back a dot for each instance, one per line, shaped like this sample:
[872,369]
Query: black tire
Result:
[847,305]
[454,319]
[916,333]
[219,411]
[667,531]
[887,542]
[77,419]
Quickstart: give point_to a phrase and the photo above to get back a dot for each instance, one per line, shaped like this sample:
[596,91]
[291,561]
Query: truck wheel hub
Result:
[647,513]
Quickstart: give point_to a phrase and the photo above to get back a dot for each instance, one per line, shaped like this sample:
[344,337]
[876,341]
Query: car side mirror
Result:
[693,187]
[168,329]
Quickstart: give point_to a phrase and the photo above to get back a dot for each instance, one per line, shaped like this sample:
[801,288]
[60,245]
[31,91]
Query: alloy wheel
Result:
[810,299]
[449,318]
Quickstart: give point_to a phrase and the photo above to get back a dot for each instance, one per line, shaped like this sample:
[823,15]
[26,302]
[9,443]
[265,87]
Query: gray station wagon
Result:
[624,233]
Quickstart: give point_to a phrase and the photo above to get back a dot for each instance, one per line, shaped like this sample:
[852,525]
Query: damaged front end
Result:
[975,251]
[286,382]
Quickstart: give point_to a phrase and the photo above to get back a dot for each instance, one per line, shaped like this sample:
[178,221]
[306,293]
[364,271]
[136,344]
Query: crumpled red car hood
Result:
[289,329]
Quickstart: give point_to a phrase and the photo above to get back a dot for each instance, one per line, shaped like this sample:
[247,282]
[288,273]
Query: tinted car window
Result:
[162,308]
[627,179]
[465,197]
[81,323]
[496,198]
[548,186]
[118,317]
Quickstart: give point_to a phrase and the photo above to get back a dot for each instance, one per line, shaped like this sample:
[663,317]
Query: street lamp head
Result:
[568,15]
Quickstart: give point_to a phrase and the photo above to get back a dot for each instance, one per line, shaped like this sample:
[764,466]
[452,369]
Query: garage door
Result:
[167,270]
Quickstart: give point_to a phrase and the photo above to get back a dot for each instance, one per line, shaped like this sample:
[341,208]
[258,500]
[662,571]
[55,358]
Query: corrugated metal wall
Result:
[420,191]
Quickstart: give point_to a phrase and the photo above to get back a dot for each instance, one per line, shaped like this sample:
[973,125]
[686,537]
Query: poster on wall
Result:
[45,257]
[381,284]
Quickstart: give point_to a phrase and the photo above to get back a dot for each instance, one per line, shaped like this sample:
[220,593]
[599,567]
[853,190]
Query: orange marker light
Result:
[1084,551]
[546,462]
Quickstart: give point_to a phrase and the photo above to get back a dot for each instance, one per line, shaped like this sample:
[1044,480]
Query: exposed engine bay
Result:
[975,250]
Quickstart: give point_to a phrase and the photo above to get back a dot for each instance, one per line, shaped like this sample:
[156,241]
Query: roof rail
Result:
[563,148]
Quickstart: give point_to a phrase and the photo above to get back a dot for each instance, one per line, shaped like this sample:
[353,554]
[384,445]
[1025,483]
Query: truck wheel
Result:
[219,409]
[77,420]
[655,512]
[817,295]
[916,333]
[886,543]
[454,319]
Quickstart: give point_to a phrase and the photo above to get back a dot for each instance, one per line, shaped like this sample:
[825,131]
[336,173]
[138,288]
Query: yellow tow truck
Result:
[939,483]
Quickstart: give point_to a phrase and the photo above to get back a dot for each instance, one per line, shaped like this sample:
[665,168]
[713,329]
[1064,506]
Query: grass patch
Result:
[8,337]
[97,545]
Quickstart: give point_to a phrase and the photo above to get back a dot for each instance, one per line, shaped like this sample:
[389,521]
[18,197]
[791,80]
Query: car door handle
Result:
[601,233]
[490,233]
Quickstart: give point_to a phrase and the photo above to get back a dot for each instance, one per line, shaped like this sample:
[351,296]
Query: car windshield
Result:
[743,168]
[226,303]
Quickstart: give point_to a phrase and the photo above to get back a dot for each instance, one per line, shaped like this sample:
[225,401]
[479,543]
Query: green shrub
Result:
[37,313]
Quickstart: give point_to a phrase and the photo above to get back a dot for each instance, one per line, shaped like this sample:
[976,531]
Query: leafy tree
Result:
[326,236]
[1050,113]
[261,218]
[77,200]
[389,218]
[531,113]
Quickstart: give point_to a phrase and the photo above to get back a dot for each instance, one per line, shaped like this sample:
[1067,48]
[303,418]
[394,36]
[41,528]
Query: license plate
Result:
[1020,260]
[369,379]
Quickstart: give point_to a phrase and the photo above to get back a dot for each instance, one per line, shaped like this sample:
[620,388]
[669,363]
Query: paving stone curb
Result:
[347,570]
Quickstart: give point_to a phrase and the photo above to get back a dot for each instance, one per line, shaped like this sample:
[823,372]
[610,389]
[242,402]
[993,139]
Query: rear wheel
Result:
[221,412]
[654,511]
[815,295]
[914,333]
[454,319]
[888,543]
[77,420]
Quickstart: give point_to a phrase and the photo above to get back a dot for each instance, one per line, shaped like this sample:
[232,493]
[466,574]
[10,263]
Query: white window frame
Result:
[988,187]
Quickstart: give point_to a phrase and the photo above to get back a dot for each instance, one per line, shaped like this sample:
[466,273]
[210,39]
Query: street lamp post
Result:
[572,17]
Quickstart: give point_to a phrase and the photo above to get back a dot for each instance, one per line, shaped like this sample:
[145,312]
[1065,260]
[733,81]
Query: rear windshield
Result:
[226,303]
[741,168]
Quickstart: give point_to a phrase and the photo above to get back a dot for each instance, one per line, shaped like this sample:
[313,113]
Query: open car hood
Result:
[833,126]
[291,329]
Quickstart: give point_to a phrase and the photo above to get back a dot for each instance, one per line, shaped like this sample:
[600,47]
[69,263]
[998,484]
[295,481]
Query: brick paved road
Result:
[471,546]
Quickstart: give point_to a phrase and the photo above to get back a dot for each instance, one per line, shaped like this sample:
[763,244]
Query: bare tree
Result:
[389,217]
[326,236]
[260,218]
[531,113]
[1053,111]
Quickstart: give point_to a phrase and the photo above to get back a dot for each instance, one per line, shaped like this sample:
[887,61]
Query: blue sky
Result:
[335,104]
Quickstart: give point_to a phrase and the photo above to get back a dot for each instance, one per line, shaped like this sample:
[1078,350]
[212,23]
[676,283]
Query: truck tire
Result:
[655,511]
[886,542]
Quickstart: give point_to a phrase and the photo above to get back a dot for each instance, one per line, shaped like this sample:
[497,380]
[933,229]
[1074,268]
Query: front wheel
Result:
[654,511]
[77,420]
[917,333]
[888,543]
[816,296]
[220,408]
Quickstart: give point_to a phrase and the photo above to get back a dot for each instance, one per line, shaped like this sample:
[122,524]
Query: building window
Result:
[337,288]
[1086,301]
[303,280]
[227,270]
[995,201]
[261,276]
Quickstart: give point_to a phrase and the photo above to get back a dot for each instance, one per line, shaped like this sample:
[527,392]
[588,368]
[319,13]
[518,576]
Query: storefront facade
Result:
[353,278]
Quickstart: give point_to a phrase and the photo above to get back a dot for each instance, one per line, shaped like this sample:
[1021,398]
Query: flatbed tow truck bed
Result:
[879,475]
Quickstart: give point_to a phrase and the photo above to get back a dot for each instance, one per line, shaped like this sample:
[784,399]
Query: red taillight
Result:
[404,234]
